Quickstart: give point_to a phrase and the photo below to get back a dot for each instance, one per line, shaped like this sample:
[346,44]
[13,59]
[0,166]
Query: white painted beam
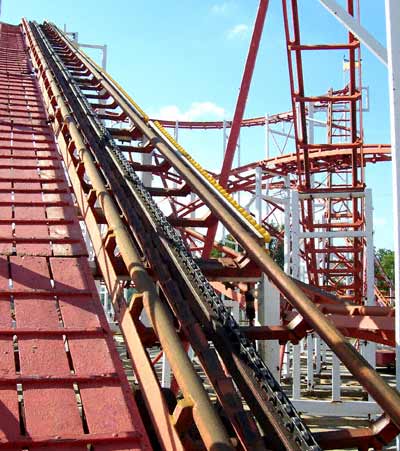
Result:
[393,45]
[352,25]
[337,409]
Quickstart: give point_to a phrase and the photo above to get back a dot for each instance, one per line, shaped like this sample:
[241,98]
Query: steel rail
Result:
[385,396]
[271,398]
[134,204]
[219,125]
[209,424]
[267,417]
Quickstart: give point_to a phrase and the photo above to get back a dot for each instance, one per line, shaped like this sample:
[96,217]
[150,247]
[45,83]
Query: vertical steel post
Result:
[295,235]
[166,372]
[370,347]
[286,232]
[270,316]
[267,143]
[104,58]
[259,194]
[335,378]
[239,111]
[317,346]
[224,140]
[296,372]
[310,362]
[393,51]
[147,177]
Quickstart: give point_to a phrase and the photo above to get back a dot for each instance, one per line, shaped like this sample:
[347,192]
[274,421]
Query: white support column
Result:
[335,378]
[104,59]
[296,394]
[224,138]
[166,372]
[323,351]
[369,238]
[224,141]
[270,317]
[393,46]
[369,351]
[238,163]
[310,362]
[311,122]
[147,177]
[259,199]
[267,143]
[235,309]
[176,137]
[176,131]
[295,235]
[286,232]
[192,199]
[317,346]
[286,361]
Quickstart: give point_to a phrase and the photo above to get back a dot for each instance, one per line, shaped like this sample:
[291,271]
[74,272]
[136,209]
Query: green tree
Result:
[277,252]
[386,259]
[230,242]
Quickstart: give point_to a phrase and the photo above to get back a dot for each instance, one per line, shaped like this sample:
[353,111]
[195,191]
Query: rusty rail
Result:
[387,397]
[208,422]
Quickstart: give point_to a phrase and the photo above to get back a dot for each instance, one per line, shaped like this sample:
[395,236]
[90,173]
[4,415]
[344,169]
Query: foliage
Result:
[230,242]
[275,247]
[386,259]
[277,252]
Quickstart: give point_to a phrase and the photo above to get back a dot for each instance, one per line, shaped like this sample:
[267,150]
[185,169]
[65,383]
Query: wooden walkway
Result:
[62,384]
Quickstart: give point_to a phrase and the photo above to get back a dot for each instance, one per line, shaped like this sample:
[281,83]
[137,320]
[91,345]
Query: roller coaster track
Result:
[63,385]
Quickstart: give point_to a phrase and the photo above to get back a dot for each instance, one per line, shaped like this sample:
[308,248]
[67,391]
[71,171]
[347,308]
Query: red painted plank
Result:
[51,411]
[5,313]
[37,212]
[7,363]
[28,197]
[36,312]
[43,357]
[29,174]
[5,229]
[78,312]
[68,273]
[32,231]
[4,274]
[61,212]
[106,409]
[90,351]
[30,273]
[9,426]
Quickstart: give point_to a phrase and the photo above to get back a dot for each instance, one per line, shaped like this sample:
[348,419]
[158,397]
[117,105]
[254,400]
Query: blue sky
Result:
[185,58]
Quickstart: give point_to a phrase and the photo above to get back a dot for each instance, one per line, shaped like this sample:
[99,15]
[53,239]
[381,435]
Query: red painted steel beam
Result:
[239,111]
[207,125]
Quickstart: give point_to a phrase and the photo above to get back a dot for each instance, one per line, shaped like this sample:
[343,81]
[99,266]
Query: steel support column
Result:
[239,112]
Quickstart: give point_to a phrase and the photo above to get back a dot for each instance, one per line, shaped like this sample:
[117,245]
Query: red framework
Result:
[342,269]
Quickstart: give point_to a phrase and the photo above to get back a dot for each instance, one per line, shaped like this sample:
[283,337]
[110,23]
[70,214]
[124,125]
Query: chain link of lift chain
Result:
[275,394]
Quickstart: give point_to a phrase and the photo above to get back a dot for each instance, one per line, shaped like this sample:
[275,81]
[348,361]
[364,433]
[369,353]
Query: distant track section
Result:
[62,384]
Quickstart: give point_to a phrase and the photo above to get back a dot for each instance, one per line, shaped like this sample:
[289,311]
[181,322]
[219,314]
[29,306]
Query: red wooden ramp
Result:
[62,384]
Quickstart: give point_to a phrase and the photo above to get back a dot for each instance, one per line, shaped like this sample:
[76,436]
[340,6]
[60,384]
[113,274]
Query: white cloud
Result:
[238,31]
[197,111]
[220,9]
